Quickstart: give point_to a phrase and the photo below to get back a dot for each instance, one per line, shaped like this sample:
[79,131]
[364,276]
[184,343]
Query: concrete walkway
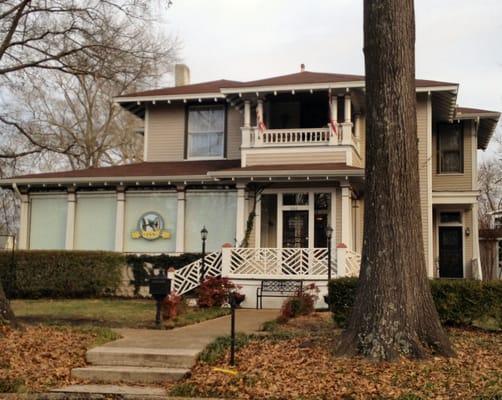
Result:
[144,356]
[194,337]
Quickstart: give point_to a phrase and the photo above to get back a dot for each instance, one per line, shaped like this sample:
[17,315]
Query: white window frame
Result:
[188,139]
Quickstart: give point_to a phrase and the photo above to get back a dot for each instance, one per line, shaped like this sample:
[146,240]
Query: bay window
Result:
[205,132]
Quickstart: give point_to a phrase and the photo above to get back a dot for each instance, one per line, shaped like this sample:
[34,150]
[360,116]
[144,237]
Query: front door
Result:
[295,228]
[450,252]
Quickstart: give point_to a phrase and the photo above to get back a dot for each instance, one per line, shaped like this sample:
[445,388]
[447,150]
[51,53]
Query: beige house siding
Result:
[234,123]
[455,182]
[299,156]
[422,130]
[165,132]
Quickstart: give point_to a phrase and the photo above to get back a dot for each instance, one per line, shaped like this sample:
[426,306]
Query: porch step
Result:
[129,374]
[127,392]
[142,357]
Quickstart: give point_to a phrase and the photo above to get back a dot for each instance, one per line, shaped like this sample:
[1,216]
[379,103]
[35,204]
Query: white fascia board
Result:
[453,89]
[282,173]
[214,95]
[467,197]
[288,88]
[125,179]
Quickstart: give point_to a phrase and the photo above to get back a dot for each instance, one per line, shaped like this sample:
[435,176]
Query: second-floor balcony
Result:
[344,134]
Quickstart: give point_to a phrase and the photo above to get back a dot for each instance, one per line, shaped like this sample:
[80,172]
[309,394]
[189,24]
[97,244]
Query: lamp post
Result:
[329,234]
[203,236]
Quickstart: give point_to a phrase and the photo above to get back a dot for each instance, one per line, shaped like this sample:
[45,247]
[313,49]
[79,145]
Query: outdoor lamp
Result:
[329,232]
[203,233]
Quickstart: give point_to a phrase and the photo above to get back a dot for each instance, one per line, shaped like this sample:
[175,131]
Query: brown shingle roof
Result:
[144,169]
[299,78]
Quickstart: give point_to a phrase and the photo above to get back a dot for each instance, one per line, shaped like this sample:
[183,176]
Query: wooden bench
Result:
[277,288]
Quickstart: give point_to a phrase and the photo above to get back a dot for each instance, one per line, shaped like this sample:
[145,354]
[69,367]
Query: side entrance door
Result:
[451,252]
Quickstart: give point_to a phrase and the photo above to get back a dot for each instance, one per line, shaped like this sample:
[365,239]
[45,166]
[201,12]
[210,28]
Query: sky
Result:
[457,41]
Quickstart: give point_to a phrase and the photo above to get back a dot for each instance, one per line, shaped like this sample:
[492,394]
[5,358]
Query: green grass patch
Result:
[106,312]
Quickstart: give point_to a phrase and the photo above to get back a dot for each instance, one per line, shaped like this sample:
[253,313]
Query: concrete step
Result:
[128,374]
[142,357]
[127,392]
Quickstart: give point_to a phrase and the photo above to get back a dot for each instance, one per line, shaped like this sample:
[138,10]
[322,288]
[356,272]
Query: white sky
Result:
[457,41]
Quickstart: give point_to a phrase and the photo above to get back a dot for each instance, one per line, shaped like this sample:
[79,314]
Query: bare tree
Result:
[394,313]
[490,184]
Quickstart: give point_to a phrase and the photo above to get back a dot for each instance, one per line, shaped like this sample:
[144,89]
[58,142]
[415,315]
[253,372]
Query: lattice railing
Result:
[352,263]
[188,277]
[286,261]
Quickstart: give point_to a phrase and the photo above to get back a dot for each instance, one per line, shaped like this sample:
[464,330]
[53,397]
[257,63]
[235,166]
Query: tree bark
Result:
[6,314]
[394,313]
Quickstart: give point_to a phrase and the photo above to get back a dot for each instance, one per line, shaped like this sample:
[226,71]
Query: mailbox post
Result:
[160,287]
[233,305]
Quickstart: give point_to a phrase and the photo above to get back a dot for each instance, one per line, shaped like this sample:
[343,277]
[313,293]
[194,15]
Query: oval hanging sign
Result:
[150,227]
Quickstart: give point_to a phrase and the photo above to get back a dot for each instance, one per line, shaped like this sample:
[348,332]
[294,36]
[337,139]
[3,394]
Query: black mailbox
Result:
[160,287]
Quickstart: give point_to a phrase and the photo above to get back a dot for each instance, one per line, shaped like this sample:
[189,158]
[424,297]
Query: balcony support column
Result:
[180,219]
[333,137]
[259,123]
[346,215]
[241,217]
[246,129]
[347,109]
[347,123]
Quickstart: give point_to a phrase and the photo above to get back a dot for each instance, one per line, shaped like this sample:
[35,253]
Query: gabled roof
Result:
[299,78]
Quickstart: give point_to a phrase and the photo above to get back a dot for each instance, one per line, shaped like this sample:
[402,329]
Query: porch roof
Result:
[144,171]
[290,170]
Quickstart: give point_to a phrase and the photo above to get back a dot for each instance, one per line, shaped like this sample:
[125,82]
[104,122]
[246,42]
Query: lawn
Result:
[111,313]
[295,362]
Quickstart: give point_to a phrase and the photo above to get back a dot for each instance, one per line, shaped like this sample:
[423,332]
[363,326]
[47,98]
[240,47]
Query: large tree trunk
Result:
[6,314]
[394,313]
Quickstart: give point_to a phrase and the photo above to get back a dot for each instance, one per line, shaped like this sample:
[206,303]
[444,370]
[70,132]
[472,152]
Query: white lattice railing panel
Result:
[352,263]
[286,261]
[188,277]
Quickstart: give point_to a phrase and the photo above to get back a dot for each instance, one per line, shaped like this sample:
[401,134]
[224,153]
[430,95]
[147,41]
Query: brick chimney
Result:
[181,75]
[302,68]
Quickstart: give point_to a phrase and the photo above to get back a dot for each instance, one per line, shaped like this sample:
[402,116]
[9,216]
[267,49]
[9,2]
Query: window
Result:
[450,148]
[295,199]
[449,217]
[498,223]
[206,130]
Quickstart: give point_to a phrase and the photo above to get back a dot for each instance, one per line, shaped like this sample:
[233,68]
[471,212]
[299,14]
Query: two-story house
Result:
[266,166]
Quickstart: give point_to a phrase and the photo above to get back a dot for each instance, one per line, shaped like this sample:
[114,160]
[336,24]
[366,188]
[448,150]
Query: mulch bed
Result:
[303,367]
[39,357]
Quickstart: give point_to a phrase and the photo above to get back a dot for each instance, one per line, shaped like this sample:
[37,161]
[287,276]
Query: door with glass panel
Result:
[295,228]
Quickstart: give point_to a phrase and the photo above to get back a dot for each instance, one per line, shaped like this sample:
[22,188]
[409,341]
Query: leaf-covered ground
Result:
[39,357]
[296,363]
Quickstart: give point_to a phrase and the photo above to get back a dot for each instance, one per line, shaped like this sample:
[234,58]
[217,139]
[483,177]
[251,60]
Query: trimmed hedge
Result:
[59,273]
[459,302]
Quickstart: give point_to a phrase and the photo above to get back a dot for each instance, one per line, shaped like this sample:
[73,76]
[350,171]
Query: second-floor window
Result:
[206,131]
[450,148]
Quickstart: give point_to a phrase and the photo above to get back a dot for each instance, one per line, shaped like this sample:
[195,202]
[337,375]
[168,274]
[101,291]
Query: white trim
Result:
[430,239]
[180,219]
[120,221]
[279,218]
[146,98]
[146,134]
[467,197]
[311,219]
[257,221]
[71,211]
[346,216]
[240,211]
[24,223]
[460,224]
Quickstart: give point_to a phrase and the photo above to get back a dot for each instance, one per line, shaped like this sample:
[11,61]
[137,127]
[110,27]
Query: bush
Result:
[67,274]
[141,274]
[459,302]
[302,303]
[214,291]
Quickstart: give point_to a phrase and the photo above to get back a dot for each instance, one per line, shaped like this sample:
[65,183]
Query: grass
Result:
[108,313]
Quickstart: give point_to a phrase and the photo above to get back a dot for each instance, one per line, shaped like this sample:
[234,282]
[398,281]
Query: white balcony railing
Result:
[344,135]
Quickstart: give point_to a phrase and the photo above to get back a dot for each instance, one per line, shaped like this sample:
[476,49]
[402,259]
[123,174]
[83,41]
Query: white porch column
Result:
[346,216]
[180,220]
[257,222]
[226,258]
[341,251]
[70,220]
[240,218]
[347,109]
[246,129]
[333,139]
[24,223]
[475,239]
[258,138]
[120,221]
